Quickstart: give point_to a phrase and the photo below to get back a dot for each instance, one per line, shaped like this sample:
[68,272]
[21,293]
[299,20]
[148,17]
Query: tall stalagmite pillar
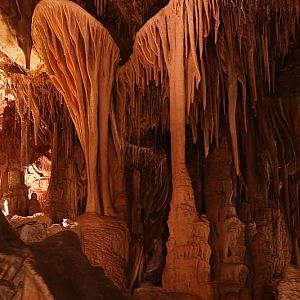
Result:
[188,252]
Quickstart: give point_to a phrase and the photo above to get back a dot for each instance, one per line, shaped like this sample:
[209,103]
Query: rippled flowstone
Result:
[289,287]
[105,241]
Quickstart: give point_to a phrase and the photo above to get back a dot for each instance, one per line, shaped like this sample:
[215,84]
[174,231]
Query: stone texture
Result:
[266,224]
[51,269]
[192,258]
[32,233]
[38,227]
[16,195]
[11,277]
[157,293]
[34,206]
[105,241]
[18,221]
[227,236]
[289,287]
[53,229]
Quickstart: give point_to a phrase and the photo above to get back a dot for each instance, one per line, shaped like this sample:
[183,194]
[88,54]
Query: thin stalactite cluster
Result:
[39,102]
[229,46]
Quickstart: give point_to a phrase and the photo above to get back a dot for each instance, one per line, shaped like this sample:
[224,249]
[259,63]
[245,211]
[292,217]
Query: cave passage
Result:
[149,149]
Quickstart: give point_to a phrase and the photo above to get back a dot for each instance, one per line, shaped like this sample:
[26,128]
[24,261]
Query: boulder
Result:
[19,221]
[31,233]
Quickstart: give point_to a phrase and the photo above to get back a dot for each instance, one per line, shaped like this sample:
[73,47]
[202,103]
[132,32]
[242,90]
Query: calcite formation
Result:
[162,140]
[288,287]
[228,236]
[187,266]
[105,241]
[69,69]
[34,205]
[16,196]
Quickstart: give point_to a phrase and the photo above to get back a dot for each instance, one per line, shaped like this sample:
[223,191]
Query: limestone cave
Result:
[149,149]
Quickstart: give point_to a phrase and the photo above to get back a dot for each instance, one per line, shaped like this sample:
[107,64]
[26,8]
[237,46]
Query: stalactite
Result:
[154,37]
[142,157]
[152,49]
[22,107]
[100,6]
[159,34]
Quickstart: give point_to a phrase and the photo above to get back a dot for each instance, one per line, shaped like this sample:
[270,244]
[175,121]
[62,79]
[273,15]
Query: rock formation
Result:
[37,271]
[105,242]
[162,141]
[85,77]
[16,195]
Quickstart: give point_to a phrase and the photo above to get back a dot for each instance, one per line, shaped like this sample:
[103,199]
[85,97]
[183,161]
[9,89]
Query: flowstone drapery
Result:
[81,59]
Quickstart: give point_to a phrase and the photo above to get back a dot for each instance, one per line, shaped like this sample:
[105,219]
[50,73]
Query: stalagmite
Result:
[81,59]
[167,36]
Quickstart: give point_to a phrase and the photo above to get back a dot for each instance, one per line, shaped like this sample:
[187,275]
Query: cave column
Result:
[227,237]
[187,263]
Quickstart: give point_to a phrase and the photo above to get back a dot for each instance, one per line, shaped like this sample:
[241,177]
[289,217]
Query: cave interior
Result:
[149,149]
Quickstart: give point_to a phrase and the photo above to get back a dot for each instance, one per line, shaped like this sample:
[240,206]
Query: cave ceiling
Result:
[122,18]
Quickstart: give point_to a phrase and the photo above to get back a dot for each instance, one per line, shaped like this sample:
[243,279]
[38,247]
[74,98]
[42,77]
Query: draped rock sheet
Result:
[81,59]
